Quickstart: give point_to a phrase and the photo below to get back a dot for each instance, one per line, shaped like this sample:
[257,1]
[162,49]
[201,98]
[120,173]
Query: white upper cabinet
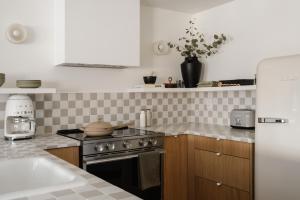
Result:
[98,33]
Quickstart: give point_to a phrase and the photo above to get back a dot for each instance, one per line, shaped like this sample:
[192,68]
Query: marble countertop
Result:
[207,130]
[95,189]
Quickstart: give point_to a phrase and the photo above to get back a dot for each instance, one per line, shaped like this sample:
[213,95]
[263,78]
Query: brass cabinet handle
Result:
[218,154]
[219,184]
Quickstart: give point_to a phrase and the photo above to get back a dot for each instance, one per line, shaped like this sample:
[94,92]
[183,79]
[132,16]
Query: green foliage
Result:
[194,44]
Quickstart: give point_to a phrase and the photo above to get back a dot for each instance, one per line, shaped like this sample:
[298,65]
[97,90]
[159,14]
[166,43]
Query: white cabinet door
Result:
[98,32]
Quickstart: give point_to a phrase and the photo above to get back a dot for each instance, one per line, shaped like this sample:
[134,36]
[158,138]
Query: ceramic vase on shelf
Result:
[191,71]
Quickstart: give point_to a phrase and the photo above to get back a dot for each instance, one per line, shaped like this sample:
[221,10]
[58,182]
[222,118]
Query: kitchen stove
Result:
[122,140]
[115,157]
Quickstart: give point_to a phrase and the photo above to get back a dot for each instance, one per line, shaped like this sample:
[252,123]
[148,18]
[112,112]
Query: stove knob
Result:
[111,146]
[126,145]
[99,147]
[153,142]
[143,143]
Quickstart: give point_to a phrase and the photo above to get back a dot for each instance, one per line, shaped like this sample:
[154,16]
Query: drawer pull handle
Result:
[219,184]
[218,154]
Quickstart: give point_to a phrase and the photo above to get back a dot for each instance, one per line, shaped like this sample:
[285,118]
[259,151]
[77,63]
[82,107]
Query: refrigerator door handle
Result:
[262,120]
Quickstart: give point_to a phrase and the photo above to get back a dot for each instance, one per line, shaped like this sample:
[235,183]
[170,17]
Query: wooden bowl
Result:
[98,128]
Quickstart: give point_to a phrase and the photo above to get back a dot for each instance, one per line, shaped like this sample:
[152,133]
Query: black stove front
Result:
[123,172]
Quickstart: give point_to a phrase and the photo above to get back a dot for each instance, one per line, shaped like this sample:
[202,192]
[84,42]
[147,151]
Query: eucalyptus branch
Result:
[194,44]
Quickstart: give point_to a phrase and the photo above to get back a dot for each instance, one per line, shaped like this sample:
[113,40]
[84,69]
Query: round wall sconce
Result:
[16,33]
[161,48]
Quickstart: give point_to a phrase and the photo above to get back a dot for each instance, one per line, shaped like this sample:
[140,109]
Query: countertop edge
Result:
[228,133]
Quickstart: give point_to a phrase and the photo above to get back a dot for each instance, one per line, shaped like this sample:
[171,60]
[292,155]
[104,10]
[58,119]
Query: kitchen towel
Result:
[149,170]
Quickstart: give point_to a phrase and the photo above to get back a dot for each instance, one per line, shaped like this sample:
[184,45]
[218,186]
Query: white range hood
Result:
[97,33]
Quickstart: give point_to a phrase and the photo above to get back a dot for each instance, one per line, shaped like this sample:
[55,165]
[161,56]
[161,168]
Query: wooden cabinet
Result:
[209,190]
[175,168]
[219,169]
[229,170]
[207,144]
[236,172]
[69,154]
[203,168]
[208,165]
[237,149]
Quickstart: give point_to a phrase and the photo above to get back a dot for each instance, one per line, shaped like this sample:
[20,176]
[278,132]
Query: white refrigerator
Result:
[277,139]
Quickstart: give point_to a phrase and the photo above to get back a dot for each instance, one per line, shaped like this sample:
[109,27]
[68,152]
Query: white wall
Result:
[258,28]
[34,60]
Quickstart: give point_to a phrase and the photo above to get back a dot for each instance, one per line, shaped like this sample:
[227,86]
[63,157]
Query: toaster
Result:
[242,118]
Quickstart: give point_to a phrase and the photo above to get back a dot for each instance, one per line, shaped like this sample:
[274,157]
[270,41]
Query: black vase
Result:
[191,71]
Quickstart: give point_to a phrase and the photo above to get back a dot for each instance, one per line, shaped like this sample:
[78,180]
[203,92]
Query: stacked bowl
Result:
[2,79]
[29,83]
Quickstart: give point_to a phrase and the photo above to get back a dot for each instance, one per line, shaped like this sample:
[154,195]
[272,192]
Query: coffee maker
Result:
[19,122]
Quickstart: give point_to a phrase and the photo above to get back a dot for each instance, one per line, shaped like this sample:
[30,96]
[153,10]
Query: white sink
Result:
[33,176]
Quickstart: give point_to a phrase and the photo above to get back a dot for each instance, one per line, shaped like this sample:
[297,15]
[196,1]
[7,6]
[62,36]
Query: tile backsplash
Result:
[74,110]
[215,107]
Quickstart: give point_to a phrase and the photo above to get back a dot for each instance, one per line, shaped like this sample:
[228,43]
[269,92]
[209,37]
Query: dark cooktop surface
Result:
[78,134]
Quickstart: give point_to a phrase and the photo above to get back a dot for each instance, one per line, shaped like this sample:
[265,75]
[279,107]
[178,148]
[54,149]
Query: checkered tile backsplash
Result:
[215,107]
[74,110]
[64,111]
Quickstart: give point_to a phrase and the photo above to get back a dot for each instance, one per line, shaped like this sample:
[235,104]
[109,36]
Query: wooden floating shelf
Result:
[204,89]
[27,90]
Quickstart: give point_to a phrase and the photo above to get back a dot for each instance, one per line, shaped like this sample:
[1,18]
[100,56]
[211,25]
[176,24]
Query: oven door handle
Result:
[109,159]
[106,160]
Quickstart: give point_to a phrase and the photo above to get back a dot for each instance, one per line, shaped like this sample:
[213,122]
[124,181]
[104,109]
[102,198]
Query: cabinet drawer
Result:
[208,144]
[233,148]
[238,149]
[236,172]
[230,170]
[208,165]
[209,190]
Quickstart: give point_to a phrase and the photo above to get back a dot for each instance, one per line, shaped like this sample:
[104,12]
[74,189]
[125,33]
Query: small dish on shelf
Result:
[28,83]
[170,84]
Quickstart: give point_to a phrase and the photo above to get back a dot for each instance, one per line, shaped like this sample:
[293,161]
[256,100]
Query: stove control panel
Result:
[121,145]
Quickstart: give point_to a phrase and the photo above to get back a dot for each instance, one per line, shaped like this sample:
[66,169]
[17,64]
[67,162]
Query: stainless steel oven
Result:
[122,170]
[116,159]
